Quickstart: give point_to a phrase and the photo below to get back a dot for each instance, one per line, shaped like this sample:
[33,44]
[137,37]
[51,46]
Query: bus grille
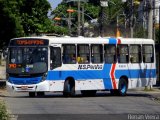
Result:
[25,81]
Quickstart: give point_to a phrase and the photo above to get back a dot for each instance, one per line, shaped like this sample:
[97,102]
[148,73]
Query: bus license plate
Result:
[24,87]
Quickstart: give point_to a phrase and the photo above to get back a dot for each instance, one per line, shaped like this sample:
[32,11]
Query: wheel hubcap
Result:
[123,88]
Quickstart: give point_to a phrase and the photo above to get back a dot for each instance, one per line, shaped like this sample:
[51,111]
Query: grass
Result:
[2,62]
[4,115]
[3,111]
[148,89]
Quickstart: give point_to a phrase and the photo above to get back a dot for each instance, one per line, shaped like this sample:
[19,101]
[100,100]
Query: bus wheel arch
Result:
[69,87]
[123,85]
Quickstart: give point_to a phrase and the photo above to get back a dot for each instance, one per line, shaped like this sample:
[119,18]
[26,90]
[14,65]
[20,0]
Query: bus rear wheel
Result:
[69,89]
[122,87]
[114,92]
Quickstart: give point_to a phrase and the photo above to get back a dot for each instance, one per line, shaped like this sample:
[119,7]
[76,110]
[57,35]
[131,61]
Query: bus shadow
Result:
[60,95]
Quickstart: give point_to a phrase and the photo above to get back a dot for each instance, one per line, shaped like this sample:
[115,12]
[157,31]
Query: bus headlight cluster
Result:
[7,77]
[44,76]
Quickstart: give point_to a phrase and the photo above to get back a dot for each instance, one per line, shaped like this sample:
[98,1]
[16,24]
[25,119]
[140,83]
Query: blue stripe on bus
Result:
[24,81]
[100,74]
[148,73]
[89,74]
[84,74]
[106,76]
[112,41]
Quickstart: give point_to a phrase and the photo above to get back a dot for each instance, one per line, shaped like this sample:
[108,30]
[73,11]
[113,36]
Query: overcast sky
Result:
[54,3]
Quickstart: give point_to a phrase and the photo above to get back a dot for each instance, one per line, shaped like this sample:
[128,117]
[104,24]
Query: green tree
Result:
[92,9]
[61,11]
[23,17]
[34,15]
[10,22]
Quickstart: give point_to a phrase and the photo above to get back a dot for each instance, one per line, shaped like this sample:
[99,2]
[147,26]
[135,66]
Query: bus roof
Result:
[87,40]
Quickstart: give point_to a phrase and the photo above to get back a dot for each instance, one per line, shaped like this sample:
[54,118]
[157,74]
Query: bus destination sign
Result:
[28,42]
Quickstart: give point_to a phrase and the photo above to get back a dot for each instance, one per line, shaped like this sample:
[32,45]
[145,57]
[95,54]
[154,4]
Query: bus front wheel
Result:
[89,93]
[122,87]
[69,89]
[32,94]
[40,94]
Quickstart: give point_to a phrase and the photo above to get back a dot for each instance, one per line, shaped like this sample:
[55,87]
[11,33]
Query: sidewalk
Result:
[153,93]
[2,71]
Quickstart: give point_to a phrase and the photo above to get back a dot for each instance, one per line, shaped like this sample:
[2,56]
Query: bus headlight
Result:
[7,77]
[44,76]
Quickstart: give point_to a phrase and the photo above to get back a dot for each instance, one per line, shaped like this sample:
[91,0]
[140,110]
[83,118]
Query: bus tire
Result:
[122,87]
[40,94]
[114,92]
[69,89]
[32,94]
[88,93]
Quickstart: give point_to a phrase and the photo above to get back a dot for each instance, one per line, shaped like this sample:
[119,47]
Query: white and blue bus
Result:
[69,64]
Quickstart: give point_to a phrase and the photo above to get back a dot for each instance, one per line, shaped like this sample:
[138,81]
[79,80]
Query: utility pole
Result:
[154,20]
[159,24]
[101,22]
[69,21]
[103,4]
[158,59]
[83,20]
[150,20]
[79,17]
[131,21]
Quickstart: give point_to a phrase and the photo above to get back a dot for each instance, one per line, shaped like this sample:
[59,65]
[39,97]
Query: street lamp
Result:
[118,31]
[69,18]
[70,10]
[57,18]
[79,15]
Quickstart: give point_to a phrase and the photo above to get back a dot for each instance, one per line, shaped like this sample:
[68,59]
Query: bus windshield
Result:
[23,57]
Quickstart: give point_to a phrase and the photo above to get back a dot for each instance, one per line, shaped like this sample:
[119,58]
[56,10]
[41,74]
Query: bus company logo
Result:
[92,67]
[30,42]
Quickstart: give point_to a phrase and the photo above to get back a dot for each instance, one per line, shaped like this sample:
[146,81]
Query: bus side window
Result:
[148,55]
[110,53]
[122,53]
[69,54]
[97,53]
[83,53]
[135,53]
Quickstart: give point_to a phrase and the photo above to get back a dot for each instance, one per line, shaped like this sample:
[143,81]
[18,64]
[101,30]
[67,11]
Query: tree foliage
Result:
[92,11]
[23,17]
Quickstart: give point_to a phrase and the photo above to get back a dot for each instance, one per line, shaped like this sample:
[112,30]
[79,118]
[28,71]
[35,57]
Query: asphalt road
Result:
[102,106]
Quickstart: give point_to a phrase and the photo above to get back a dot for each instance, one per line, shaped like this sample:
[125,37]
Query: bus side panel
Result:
[84,79]
[139,75]
[107,76]
[89,84]
[122,73]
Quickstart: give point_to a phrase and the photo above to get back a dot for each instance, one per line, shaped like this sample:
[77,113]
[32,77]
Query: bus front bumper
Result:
[42,86]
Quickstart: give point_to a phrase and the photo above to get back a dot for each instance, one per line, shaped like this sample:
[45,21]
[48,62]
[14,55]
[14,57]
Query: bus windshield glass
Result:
[32,57]
[27,55]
